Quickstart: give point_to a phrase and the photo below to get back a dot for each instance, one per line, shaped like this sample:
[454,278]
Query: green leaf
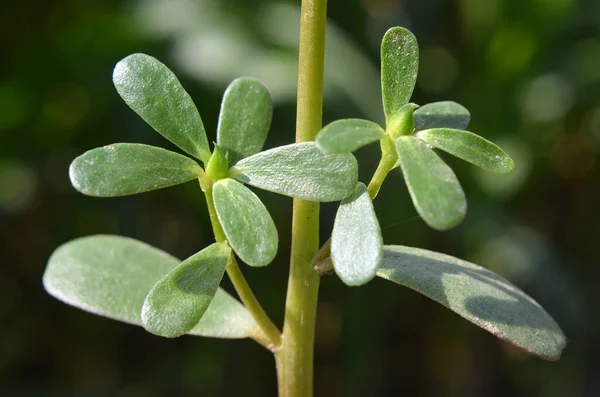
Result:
[300,170]
[246,222]
[128,168]
[433,187]
[469,147]
[178,300]
[482,297]
[153,92]
[245,118]
[344,136]
[217,166]
[399,67]
[111,276]
[445,114]
[356,242]
[403,122]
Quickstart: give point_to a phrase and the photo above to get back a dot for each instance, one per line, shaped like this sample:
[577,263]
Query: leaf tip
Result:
[155,325]
[508,164]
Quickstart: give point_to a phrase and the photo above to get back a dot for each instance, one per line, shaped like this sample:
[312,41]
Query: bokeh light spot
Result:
[511,50]
[17,185]
[547,98]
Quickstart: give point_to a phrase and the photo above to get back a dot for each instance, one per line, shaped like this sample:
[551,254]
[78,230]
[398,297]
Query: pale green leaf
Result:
[482,297]
[446,114]
[245,118]
[345,136]
[111,276]
[356,242]
[469,147]
[300,170]
[399,68]
[246,222]
[178,300]
[128,168]
[434,189]
[153,92]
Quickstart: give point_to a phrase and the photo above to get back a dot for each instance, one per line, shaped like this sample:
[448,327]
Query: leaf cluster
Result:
[178,300]
[133,282]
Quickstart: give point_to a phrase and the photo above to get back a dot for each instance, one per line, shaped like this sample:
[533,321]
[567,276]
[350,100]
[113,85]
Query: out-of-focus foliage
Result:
[529,72]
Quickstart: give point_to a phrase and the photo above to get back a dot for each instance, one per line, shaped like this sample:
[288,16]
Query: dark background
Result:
[529,71]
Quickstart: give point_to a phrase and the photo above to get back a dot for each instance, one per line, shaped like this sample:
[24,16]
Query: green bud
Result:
[217,165]
[402,123]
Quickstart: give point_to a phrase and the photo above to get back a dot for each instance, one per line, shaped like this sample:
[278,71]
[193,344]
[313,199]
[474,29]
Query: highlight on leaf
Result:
[346,136]
[469,147]
[356,242]
[399,68]
[246,222]
[300,170]
[433,186]
[154,93]
[128,168]
[245,118]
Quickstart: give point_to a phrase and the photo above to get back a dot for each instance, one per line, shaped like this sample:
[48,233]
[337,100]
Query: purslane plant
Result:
[132,282]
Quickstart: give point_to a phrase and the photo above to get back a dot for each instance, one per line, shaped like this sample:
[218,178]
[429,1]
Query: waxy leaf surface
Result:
[244,119]
[153,92]
[111,276]
[247,224]
[469,147]
[345,136]
[128,168]
[300,170]
[433,186]
[446,114]
[179,299]
[482,297]
[399,68]
[356,242]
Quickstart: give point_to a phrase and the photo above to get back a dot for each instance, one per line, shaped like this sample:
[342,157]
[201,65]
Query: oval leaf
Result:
[245,118]
[356,242]
[246,222]
[128,168]
[178,300]
[399,68]
[446,114]
[111,276]
[469,147]
[300,170]
[434,189]
[344,136]
[482,297]
[153,92]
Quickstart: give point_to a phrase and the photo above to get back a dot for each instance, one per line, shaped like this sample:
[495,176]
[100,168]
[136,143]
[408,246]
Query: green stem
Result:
[295,358]
[272,336]
[386,164]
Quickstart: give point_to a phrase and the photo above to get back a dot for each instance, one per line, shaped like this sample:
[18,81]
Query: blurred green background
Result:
[529,71]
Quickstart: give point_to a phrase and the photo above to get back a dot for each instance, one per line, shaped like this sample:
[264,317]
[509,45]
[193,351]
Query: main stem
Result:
[295,358]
